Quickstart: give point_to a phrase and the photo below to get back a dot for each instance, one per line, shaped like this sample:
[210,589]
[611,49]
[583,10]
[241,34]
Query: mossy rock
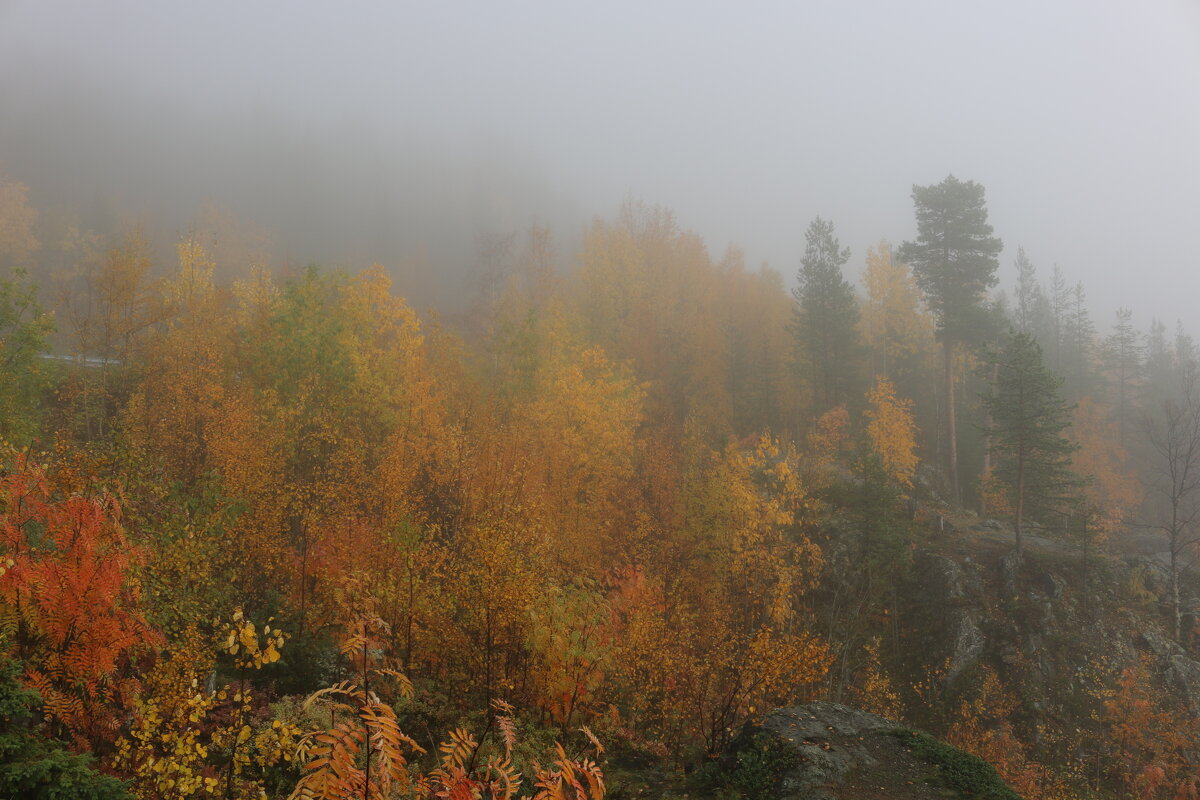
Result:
[827,751]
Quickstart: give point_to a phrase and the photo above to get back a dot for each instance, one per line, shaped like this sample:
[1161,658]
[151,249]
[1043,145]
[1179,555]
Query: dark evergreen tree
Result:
[875,504]
[1159,367]
[1186,358]
[1122,355]
[954,259]
[36,767]
[1027,433]
[1078,346]
[826,318]
[1029,294]
[1059,298]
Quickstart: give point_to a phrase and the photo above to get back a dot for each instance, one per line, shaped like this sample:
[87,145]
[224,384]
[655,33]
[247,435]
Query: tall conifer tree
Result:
[1122,351]
[954,259]
[1028,431]
[826,320]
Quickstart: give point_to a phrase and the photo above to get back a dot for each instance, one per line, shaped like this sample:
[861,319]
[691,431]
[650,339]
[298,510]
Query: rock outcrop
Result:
[827,751]
[958,604]
[1182,671]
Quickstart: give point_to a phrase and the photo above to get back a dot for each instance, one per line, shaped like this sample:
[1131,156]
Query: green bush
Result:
[754,773]
[969,774]
[34,767]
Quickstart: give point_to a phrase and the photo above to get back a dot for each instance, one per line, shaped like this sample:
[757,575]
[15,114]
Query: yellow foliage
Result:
[242,641]
[730,642]
[891,431]
[183,738]
[827,442]
[895,325]
[873,692]
[17,223]
[995,495]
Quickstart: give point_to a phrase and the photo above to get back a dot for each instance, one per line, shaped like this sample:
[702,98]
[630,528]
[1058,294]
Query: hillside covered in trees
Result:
[267,530]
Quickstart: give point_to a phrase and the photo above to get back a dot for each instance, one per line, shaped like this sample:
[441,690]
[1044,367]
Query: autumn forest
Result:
[267,530]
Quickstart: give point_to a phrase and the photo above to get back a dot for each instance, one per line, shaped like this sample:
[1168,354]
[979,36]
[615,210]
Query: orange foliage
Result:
[1152,743]
[982,726]
[67,589]
[1114,490]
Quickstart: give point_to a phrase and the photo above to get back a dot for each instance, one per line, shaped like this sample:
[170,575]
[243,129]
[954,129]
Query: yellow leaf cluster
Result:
[891,431]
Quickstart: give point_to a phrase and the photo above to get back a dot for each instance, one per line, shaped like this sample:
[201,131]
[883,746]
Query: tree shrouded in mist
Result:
[1028,431]
[954,259]
[826,316]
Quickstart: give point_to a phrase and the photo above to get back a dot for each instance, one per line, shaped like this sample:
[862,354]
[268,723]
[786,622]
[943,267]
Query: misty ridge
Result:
[416,142]
[340,196]
[625,402]
[264,189]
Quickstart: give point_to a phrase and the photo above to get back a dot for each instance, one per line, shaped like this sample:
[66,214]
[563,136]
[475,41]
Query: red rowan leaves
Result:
[78,622]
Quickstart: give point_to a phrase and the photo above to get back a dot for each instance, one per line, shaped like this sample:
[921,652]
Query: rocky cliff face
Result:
[979,603]
[1055,629]
[1053,632]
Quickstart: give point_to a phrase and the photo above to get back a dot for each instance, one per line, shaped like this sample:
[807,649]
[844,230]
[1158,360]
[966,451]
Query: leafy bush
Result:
[755,771]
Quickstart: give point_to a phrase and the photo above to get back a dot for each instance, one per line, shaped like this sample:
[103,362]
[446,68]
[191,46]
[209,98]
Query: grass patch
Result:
[969,774]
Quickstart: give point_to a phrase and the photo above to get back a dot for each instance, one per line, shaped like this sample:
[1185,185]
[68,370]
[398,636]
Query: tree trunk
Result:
[951,423]
[1020,503]
[987,445]
[1086,547]
[1176,614]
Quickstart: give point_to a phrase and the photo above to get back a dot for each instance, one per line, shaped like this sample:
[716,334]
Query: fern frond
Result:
[586,731]
[458,750]
[508,733]
[346,689]
[403,684]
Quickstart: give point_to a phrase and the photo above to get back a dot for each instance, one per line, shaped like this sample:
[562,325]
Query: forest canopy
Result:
[268,530]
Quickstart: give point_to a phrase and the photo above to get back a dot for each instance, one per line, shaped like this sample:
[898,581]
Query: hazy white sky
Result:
[1082,119]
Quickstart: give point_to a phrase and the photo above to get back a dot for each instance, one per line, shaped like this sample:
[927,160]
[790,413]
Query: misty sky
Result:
[370,129]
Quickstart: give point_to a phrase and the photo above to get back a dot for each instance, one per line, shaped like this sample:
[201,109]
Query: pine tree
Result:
[1059,298]
[1029,294]
[1158,366]
[954,259]
[38,767]
[1028,431]
[1079,345]
[826,316]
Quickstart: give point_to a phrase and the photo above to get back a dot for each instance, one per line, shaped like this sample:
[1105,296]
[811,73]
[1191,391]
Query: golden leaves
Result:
[339,760]
[894,322]
[891,431]
[241,640]
[568,779]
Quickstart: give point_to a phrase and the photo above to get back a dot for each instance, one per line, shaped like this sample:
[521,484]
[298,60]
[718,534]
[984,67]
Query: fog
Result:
[412,133]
